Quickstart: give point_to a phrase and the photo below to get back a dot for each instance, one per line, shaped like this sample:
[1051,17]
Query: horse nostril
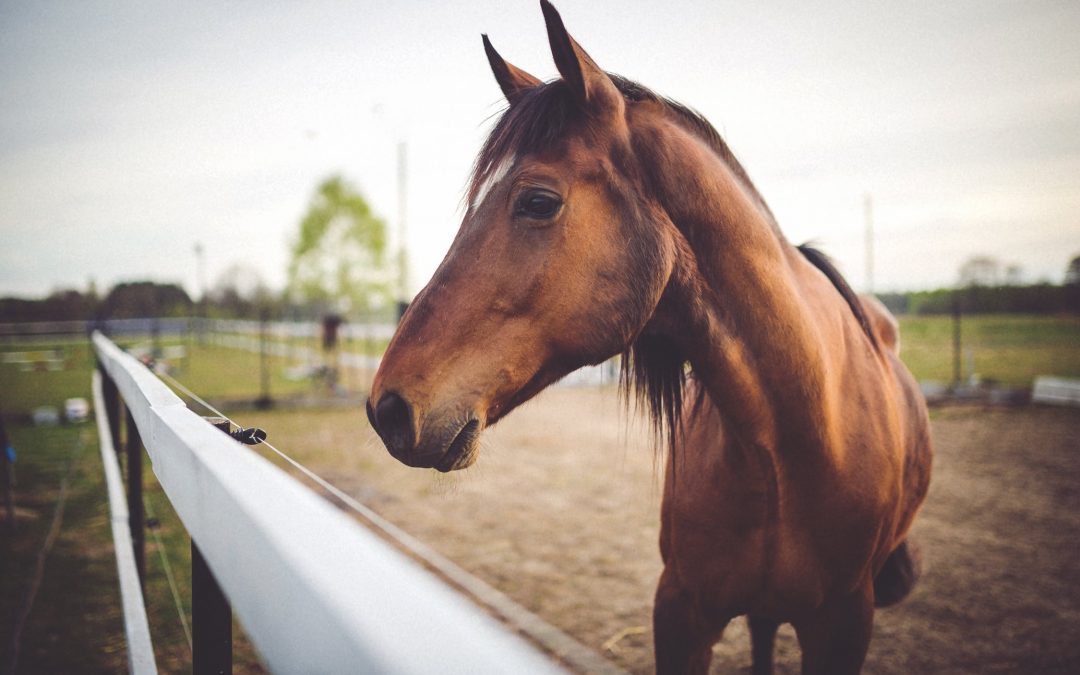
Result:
[393,422]
[371,416]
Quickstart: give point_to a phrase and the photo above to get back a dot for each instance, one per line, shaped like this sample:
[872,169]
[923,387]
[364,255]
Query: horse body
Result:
[800,464]
[604,219]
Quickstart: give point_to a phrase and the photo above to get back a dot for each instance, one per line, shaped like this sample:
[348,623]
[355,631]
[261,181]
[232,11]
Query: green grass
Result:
[215,373]
[76,623]
[23,390]
[1011,349]
[225,374]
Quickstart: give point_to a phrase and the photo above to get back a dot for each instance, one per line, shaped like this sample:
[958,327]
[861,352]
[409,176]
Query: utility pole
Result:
[403,260]
[868,215]
[200,261]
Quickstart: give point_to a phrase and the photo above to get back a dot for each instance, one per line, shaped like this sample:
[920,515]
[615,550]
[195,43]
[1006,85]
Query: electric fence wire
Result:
[569,650]
[168,572]
[175,384]
[406,540]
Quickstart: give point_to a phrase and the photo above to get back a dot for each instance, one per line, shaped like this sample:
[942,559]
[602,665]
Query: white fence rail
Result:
[136,627]
[314,591]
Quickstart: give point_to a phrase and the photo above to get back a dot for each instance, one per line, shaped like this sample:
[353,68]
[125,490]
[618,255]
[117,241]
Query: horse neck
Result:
[736,304]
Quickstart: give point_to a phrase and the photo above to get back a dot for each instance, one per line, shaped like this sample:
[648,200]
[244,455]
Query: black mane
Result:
[652,366]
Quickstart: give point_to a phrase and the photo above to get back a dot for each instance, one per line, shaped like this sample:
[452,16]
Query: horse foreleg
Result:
[835,638]
[683,636]
[762,636]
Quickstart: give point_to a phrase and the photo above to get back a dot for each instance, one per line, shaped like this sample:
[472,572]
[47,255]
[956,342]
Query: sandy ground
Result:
[561,514]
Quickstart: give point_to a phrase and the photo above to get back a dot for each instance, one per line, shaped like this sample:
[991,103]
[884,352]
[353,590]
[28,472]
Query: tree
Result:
[339,256]
[1072,272]
[1072,285]
[980,271]
[240,292]
[60,305]
[140,299]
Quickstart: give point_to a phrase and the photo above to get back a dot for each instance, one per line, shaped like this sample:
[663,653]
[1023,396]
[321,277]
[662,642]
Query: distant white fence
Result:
[315,592]
[306,354]
[1056,391]
[355,330]
[56,329]
[245,335]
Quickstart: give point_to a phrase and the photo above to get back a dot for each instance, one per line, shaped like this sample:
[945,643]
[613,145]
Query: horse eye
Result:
[537,204]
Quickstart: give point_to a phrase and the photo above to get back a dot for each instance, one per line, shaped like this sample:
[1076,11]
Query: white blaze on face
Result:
[493,178]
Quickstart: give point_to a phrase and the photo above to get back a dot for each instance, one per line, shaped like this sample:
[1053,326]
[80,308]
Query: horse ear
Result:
[512,80]
[586,79]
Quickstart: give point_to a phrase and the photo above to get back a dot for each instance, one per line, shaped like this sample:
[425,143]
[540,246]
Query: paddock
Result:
[562,517]
[548,519]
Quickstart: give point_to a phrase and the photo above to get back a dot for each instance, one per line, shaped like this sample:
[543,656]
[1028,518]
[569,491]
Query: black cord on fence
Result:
[247,436]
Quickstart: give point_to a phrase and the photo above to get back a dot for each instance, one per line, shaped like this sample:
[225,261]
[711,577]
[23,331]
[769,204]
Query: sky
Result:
[130,132]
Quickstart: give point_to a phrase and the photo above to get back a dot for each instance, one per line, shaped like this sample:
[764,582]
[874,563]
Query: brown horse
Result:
[604,219]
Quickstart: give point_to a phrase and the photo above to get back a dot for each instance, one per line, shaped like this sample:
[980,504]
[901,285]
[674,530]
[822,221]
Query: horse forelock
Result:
[536,122]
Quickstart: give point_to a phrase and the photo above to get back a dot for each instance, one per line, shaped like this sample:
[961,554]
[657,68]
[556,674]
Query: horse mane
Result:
[823,263]
[652,367]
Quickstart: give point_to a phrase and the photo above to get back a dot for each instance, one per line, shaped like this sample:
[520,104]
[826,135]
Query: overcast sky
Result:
[130,131]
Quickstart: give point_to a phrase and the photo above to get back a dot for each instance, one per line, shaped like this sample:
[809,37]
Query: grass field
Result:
[1006,348]
[215,373]
[1010,349]
[77,605]
[73,624]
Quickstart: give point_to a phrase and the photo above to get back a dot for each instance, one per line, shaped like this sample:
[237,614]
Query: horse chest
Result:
[737,534]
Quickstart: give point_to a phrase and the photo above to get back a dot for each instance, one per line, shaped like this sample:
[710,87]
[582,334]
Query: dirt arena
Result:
[561,514]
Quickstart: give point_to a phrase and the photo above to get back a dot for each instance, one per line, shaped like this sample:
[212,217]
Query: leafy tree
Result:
[1072,272]
[139,299]
[61,305]
[339,257]
[1072,285]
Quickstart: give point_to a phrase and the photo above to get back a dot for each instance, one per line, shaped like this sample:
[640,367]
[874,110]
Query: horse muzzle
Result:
[445,441]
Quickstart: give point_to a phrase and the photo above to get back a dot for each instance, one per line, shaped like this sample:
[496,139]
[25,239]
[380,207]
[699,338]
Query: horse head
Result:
[560,261]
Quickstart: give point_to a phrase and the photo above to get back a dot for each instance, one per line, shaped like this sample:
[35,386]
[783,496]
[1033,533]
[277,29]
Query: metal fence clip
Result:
[252,436]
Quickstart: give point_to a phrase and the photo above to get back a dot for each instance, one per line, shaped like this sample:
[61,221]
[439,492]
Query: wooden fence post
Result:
[956,311]
[211,615]
[112,407]
[136,519]
[264,402]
